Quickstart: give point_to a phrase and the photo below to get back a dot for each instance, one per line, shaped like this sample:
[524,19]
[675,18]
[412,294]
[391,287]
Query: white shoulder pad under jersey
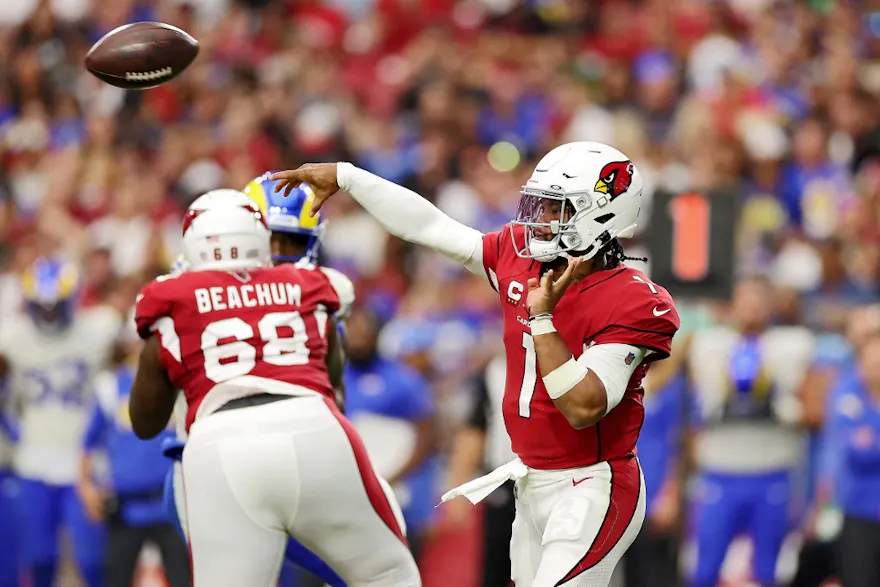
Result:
[344,289]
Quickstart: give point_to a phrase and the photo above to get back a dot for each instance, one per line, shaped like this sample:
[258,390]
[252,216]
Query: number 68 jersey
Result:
[233,327]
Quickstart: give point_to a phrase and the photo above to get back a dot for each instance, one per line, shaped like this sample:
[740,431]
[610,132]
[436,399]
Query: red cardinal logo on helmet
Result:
[615,178]
[192,213]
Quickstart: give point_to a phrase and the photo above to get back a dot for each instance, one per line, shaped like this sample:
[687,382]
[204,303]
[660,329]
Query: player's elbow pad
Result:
[613,365]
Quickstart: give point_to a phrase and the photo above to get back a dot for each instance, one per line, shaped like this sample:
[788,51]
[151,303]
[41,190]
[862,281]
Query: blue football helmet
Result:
[289,214]
[50,289]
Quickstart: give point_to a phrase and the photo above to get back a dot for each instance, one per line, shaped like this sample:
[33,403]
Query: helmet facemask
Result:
[549,217]
[307,242]
[52,317]
[50,293]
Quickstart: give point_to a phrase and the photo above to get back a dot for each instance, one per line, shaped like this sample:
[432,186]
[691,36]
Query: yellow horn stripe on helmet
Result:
[67,281]
[29,284]
[306,221]
[255,192]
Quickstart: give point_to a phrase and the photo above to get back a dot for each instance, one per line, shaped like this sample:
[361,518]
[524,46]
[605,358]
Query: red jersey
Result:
[214,326]
[615,306]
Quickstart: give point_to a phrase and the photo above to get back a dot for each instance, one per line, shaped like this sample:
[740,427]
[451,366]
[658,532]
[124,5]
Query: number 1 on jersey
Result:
[648,283]
[530,377]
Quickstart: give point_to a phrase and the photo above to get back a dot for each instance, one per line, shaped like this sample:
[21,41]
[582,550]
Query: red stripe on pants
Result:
[374,490]
[626,485]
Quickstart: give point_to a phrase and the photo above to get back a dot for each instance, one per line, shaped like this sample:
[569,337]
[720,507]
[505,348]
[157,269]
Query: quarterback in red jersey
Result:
[580,331]
[268,454]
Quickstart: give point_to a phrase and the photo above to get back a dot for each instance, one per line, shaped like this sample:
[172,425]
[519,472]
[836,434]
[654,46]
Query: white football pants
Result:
[573,526]
[254,475]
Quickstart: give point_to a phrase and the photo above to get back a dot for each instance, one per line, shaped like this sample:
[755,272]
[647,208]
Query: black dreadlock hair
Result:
[614,255]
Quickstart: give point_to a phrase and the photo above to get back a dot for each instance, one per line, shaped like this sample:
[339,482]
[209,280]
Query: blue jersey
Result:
[854,423]
[137,467]
[388,389]
[657,447]
[832,355]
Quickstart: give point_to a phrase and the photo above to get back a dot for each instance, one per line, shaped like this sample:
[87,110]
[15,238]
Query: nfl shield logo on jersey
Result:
[629,358]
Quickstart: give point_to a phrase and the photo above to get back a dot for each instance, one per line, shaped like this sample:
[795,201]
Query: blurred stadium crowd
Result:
[773,104]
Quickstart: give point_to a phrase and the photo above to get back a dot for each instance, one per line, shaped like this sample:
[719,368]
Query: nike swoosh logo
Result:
[576,483]
[656,313]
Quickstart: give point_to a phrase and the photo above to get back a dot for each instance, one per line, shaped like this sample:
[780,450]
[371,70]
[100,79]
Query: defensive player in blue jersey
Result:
[296,238]
[49,357]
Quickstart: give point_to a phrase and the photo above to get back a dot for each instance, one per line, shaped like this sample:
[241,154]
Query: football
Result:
[141,55]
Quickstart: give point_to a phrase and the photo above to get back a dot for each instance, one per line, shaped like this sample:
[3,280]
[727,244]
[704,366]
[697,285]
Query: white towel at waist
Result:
[478,489]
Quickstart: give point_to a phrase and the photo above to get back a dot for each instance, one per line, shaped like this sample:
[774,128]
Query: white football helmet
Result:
[216,198]
[581,196]
[225,230]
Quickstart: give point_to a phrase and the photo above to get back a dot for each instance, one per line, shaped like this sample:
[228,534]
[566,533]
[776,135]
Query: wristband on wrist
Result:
[562,379]
[541,324]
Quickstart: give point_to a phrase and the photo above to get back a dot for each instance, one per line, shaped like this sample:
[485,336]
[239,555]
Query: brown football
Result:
[141,55]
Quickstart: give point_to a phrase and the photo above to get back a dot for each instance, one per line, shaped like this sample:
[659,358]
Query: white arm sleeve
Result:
[608,362]
[409,216]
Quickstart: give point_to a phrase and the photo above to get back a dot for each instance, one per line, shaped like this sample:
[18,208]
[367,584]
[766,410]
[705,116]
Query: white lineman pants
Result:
[254,475]
[572,526]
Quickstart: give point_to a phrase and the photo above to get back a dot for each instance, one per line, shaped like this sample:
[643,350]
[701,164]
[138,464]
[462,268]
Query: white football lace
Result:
[147,75]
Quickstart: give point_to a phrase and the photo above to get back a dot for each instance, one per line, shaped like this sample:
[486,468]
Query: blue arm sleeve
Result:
[834,432]
[828,463]
[96,431]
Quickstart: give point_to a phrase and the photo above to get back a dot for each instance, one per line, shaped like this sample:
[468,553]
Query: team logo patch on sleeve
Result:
[630,358]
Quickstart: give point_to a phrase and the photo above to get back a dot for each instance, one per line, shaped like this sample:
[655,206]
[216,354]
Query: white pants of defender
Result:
[254,475]
[573,526]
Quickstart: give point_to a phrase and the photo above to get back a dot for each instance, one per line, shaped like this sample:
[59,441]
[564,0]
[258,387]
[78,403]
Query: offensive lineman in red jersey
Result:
[268,454]
[580,331]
